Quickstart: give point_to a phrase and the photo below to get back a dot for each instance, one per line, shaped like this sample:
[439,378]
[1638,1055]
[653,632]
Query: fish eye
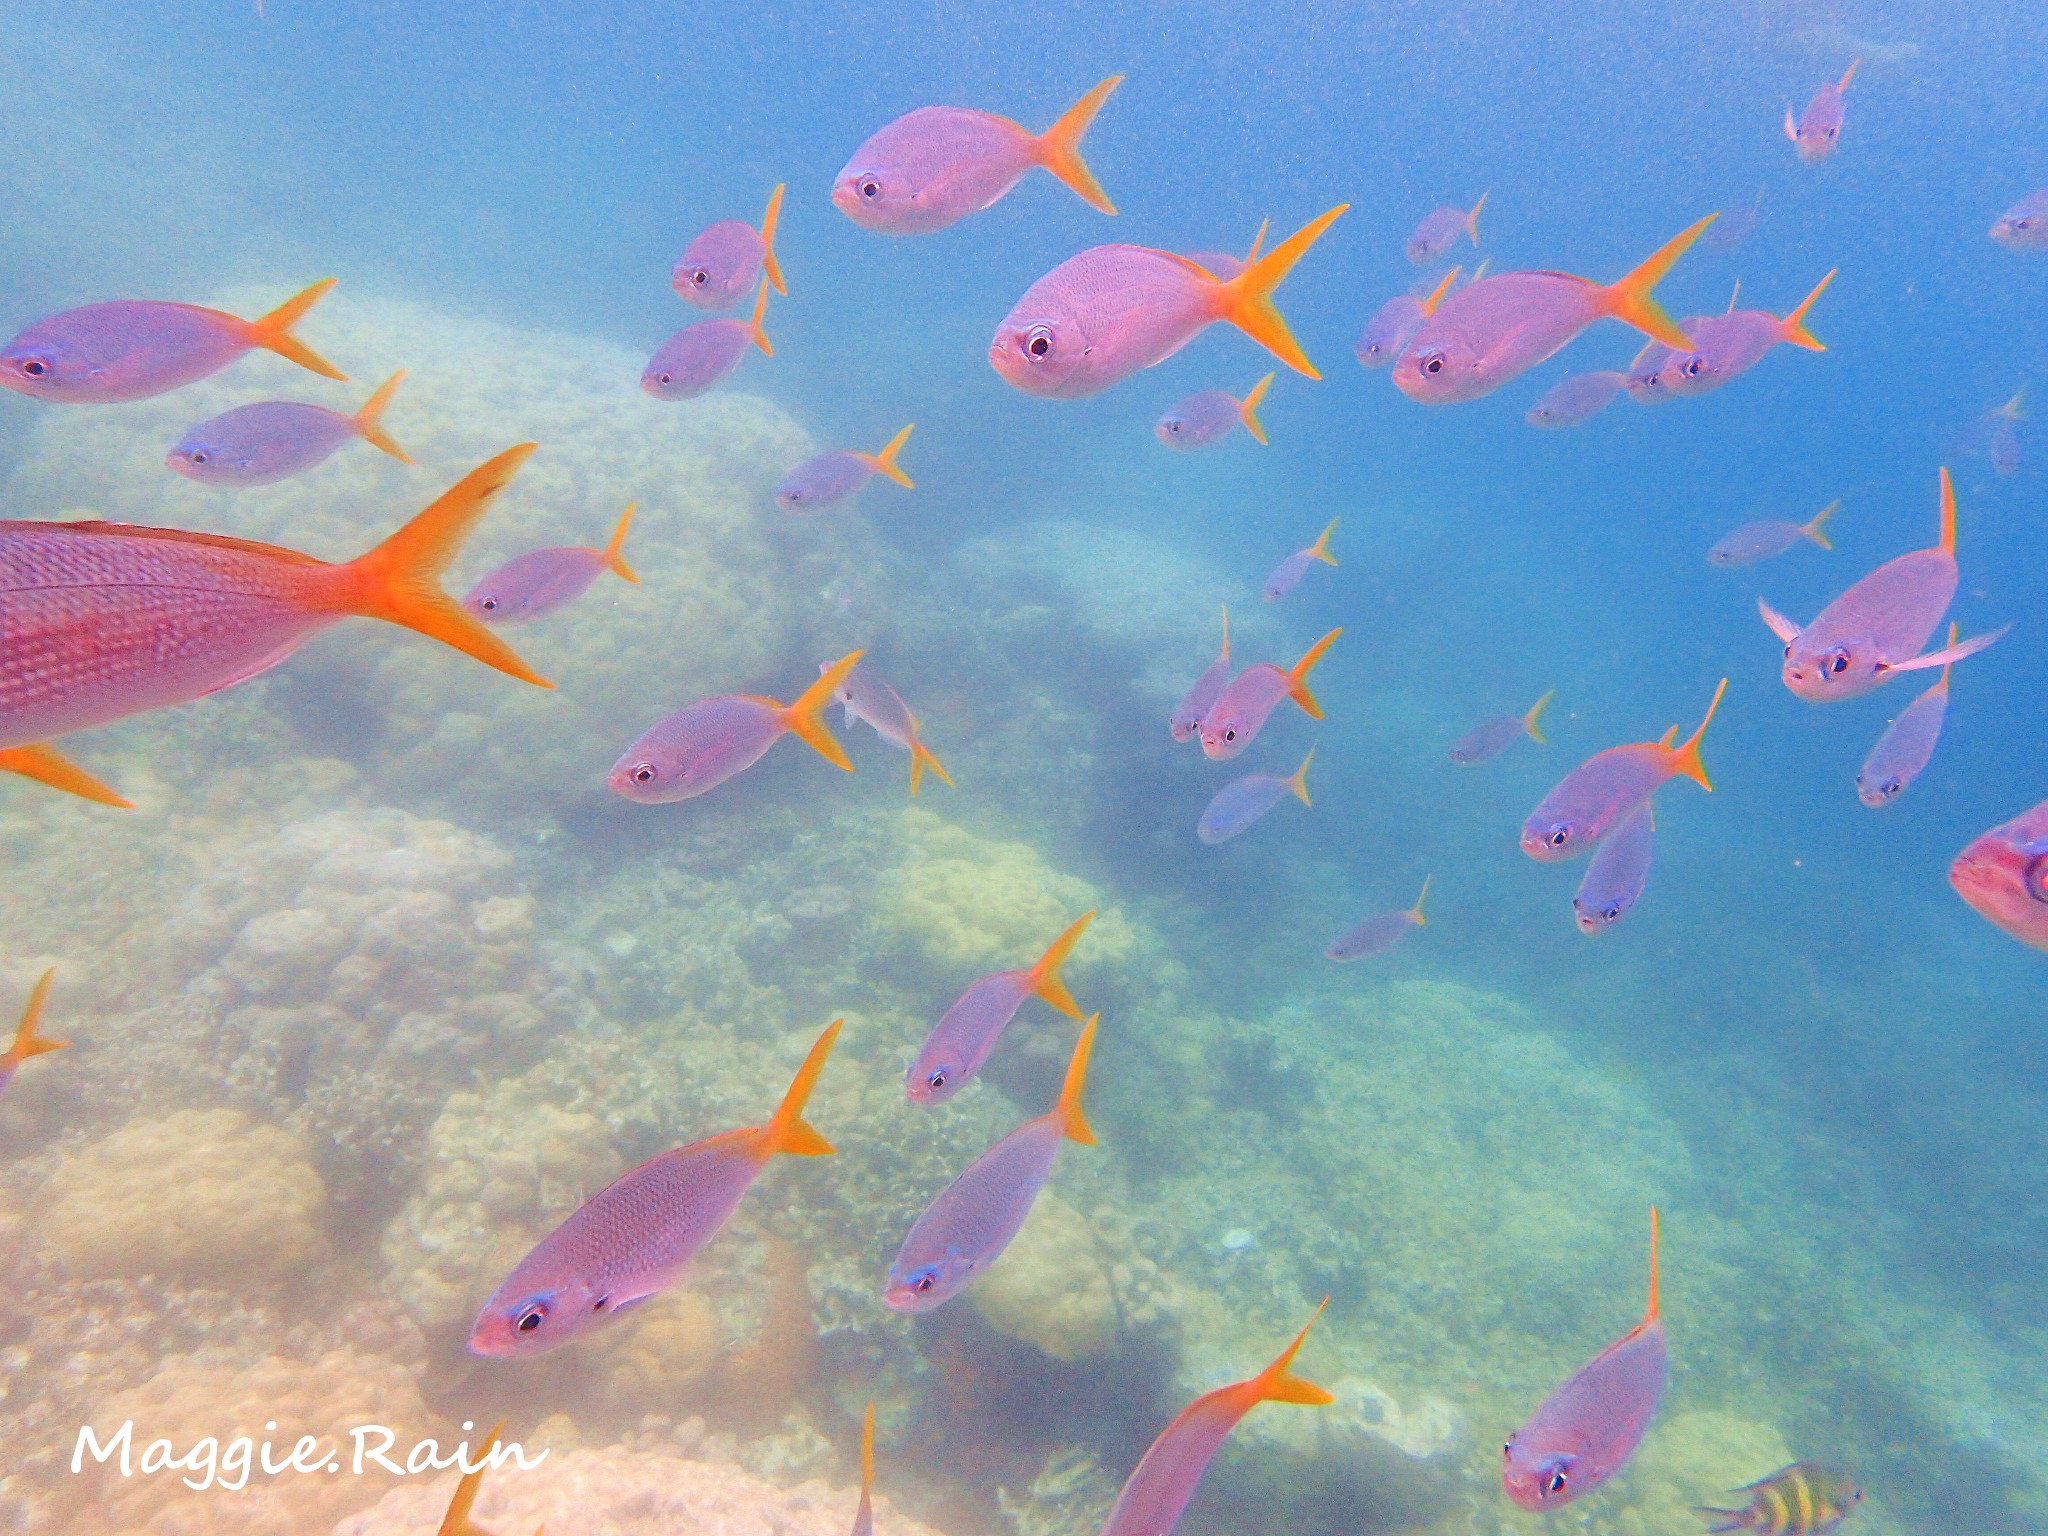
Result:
[1038,342]
[35,367]
[665,380]
[1230,733]
[200,456]
[1433,363]
[2035,879]
[643,773]
[1555,1482]
[937,1080]
[2016,224]
[489,605]
[924,1282]
[532,1317]
[1694,367]
[871,189]
[1559,835]
[700,277]
[1838,661]
[1610,912]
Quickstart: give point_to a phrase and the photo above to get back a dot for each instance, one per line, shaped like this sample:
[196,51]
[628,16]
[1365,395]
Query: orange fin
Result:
[1246,300]
[1415,912]
[1045,975]
[1443,287]
[1258,243]
[1068,1111]
[45,765]
[1946,543]
[369,420]
[1248,409]
[1298,780]
[1630,300]
[1276,1385]
[614,558]
[456,1521]
[788,1131]
[770,267]
[1847,75]
[27,1042]
[273,331]
[755,332]
[1812,528]
[1795,323]
[805,719]
[399,580]
[1529,720]
[1059,147]
[884,463]
[1650,1312]
[1472,218]
[1687,756]
[1297,679]
[864,1514]
[920,759]
[1320,550]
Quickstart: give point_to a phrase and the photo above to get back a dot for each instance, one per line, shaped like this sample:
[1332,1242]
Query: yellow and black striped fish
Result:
[1804,1499]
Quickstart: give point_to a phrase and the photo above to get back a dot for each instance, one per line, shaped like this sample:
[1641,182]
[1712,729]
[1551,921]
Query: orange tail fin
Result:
[1847,75]
[920,759]
[1415,912]
[1276,1385]
[1248,409]
[1535,712]
[42,763]
[864,1512]
[614,557]
[1246,301]
[27,1042]
[770,267]
[1059,147]
[1650,1312]
[1631,302]
[884,463]
[755,332]
[1045,976]
[1068,1111]
[1688,753]
[456,1521]
[788,1131]
[1321,548]
[273,331]
[1811,529]
[399,580]
[1297,781]
[1795,323]
[1946,543]
[1472,218]
[1297,679]
[805,719]
[369,420]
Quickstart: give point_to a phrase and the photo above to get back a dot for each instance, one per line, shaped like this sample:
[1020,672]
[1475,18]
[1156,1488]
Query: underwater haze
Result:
[380,981]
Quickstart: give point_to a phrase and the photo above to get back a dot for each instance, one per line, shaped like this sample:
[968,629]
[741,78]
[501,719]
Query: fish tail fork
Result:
[787,1131]
[1297,678]
[1632,300]
[1045,976]
[1276,1384]
[1246,301]
[273,332]
[806,717]
[27,1042]
[1059,147]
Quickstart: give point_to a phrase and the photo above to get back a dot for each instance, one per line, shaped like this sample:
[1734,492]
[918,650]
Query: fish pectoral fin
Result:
[1948,654]
[1777,623]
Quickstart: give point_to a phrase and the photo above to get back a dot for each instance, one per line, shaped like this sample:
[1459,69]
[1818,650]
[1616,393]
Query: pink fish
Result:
[1440,229]
[1729,345]
[542,580]
[2024,226]
[1286,576]
[131,349]
[100,621]
[1245,704]
[1100,316]
[868,698]
[726,259]
[1397,320]
[1616,874]
[272,441]
[1762,541]
[934,166]
[1222,264]
[1212,414]
[1585,1431]
[1815,131]
[1500,326]
[1734,225]
[1608,788]
[1489,738]
[960,1042]
[632,1238]
[701,355]
[967,1227]
[2004,875]
[1186,719]
[701,745]
[1876,628]
[1165,1479]
[1381,931]
[1907,746]
[1577,398]
[1645,378]
[826,478]
[1243,801]
[27,1042]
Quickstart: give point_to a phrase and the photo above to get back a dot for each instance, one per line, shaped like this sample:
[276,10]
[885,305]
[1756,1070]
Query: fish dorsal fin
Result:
[100,528]
[1946,540]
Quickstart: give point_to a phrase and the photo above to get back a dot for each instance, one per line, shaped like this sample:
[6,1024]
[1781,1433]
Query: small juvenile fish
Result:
[1396,321]
[456,1521]
[1875,629]
[1101,316]
[1489,738]
[1383,930]
[1734,226]
[726,259]
[1804,1499]
[1762,541]
[2024,226]
[2004,448]
[272,441]
[131,349]
[1605,790]
[1586,1430]
[100,621]
[1440,229]
[2003,874]
[1249,699]
[864,1512]
[1222,264]
[632,1238]
[868,698]
[700,355]
[702,745]
[1576,398]
[1616,874]
[1210,414]
[968,1226]
[1500,326]
[1288,573]
[1730,345]
[934,166]
[1907,746]
[1815,131]
[960,1042]
[1243,801]
[1159,1488]
[542,580]
[1186,719]
[27,1042]
[826,478]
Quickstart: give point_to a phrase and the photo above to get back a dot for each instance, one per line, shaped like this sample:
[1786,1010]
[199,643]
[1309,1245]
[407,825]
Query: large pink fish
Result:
[701,745]
[967,1227]
[543,580]
[1586,1430]
[1907,746]
[701,355]
[1876,628]
[1727,346]
[632,1238]
[1815,132]
[828,478]
[275,439]
[99,621]
[2004,875]
[27,1043]
[960,1042]
[1186,719]
[1440,229]
[1101,316]
[1210,415]
[131,349]
[726,259]
[936,165]
[1249,699]
[1608,788]
[1159,1488]
[1500,326]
